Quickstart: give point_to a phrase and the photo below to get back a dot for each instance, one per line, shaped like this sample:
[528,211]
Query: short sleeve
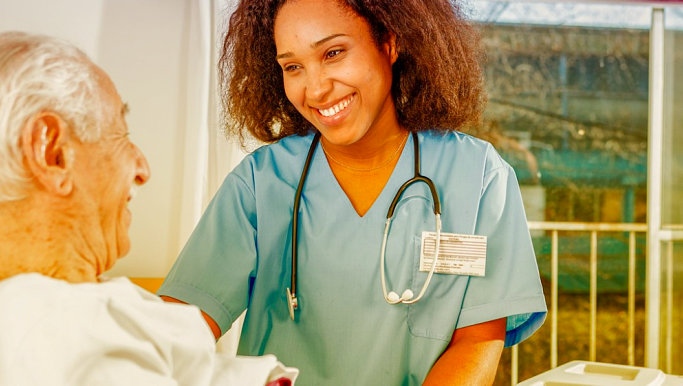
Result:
[511,287]
[215,269]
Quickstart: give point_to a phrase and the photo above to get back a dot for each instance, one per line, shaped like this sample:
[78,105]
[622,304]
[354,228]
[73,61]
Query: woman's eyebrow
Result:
[313,45]
[323,40]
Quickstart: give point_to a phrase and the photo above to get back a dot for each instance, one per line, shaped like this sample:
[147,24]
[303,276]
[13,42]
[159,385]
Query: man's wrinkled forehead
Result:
[112,105]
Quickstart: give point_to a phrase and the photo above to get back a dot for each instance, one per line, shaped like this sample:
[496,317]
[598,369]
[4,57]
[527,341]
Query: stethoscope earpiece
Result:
[393,297]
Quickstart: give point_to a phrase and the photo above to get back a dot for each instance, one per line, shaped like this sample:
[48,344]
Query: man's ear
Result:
[45,144]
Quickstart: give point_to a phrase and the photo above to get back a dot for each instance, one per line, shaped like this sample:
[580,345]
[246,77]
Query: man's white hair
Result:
[39,73]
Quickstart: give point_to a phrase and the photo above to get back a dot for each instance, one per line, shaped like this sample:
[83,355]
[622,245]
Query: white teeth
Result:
[336,108]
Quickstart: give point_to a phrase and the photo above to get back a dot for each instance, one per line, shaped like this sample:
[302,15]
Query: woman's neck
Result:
[363,168]
[376,149]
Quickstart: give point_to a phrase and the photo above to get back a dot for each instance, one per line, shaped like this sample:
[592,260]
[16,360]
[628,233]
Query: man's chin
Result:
[123,238]
[123,249]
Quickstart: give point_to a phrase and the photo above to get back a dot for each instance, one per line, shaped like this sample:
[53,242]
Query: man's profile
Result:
[67,173]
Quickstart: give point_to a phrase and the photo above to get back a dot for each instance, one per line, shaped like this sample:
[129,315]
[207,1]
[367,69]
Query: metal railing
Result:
[669,234]
[554,228]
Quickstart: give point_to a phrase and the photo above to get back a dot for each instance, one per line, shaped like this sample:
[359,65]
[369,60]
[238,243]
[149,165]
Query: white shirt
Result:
[113,333]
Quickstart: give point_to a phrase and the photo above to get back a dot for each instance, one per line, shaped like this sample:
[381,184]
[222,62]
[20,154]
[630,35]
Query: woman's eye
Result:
[333,53]
[290,67]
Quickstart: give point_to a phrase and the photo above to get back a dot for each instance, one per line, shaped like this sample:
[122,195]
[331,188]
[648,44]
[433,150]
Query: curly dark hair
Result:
[437,78]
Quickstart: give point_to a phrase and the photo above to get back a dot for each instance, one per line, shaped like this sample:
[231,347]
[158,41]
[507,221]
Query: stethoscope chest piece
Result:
[292,302]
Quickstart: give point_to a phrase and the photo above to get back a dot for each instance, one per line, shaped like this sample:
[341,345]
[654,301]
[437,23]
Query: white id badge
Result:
[458,254]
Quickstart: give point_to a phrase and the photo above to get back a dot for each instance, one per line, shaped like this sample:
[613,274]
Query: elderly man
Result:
[67,172]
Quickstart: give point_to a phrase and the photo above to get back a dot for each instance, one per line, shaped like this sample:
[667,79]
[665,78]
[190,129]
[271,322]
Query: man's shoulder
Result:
[32,295]
[15,289]
[57,326]
[29,301]
[36,293]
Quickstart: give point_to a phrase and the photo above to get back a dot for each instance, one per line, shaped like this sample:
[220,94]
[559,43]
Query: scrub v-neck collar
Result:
[401,173]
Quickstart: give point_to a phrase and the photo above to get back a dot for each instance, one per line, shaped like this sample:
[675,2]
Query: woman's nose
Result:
[318,85]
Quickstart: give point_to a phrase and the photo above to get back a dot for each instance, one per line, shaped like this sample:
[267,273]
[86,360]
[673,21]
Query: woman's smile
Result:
[336,114]
[336,108]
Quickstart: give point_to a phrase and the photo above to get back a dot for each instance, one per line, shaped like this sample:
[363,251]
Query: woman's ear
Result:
[390,47]
[45,145]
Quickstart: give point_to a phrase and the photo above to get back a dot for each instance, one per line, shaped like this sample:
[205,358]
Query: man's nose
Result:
[142,172]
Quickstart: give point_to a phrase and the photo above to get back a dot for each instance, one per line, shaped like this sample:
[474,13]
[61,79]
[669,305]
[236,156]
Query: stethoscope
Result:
[390,297]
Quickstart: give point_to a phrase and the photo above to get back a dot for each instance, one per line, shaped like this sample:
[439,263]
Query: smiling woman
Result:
[358,97]
[335,75]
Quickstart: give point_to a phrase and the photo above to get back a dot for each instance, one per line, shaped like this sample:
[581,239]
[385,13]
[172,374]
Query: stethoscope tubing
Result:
[291,292]
[292,298]
[417,177]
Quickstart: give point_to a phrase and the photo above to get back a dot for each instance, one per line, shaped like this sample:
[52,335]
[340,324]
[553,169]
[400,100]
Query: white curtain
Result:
[210,155]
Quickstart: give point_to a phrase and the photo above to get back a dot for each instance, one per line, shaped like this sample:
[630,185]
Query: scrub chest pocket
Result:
[436,318]
[436,314]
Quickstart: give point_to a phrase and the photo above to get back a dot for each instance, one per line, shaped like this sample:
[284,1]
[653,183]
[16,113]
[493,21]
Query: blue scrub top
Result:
[239,257]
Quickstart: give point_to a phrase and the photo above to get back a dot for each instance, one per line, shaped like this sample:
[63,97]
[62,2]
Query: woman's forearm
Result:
[472,356]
